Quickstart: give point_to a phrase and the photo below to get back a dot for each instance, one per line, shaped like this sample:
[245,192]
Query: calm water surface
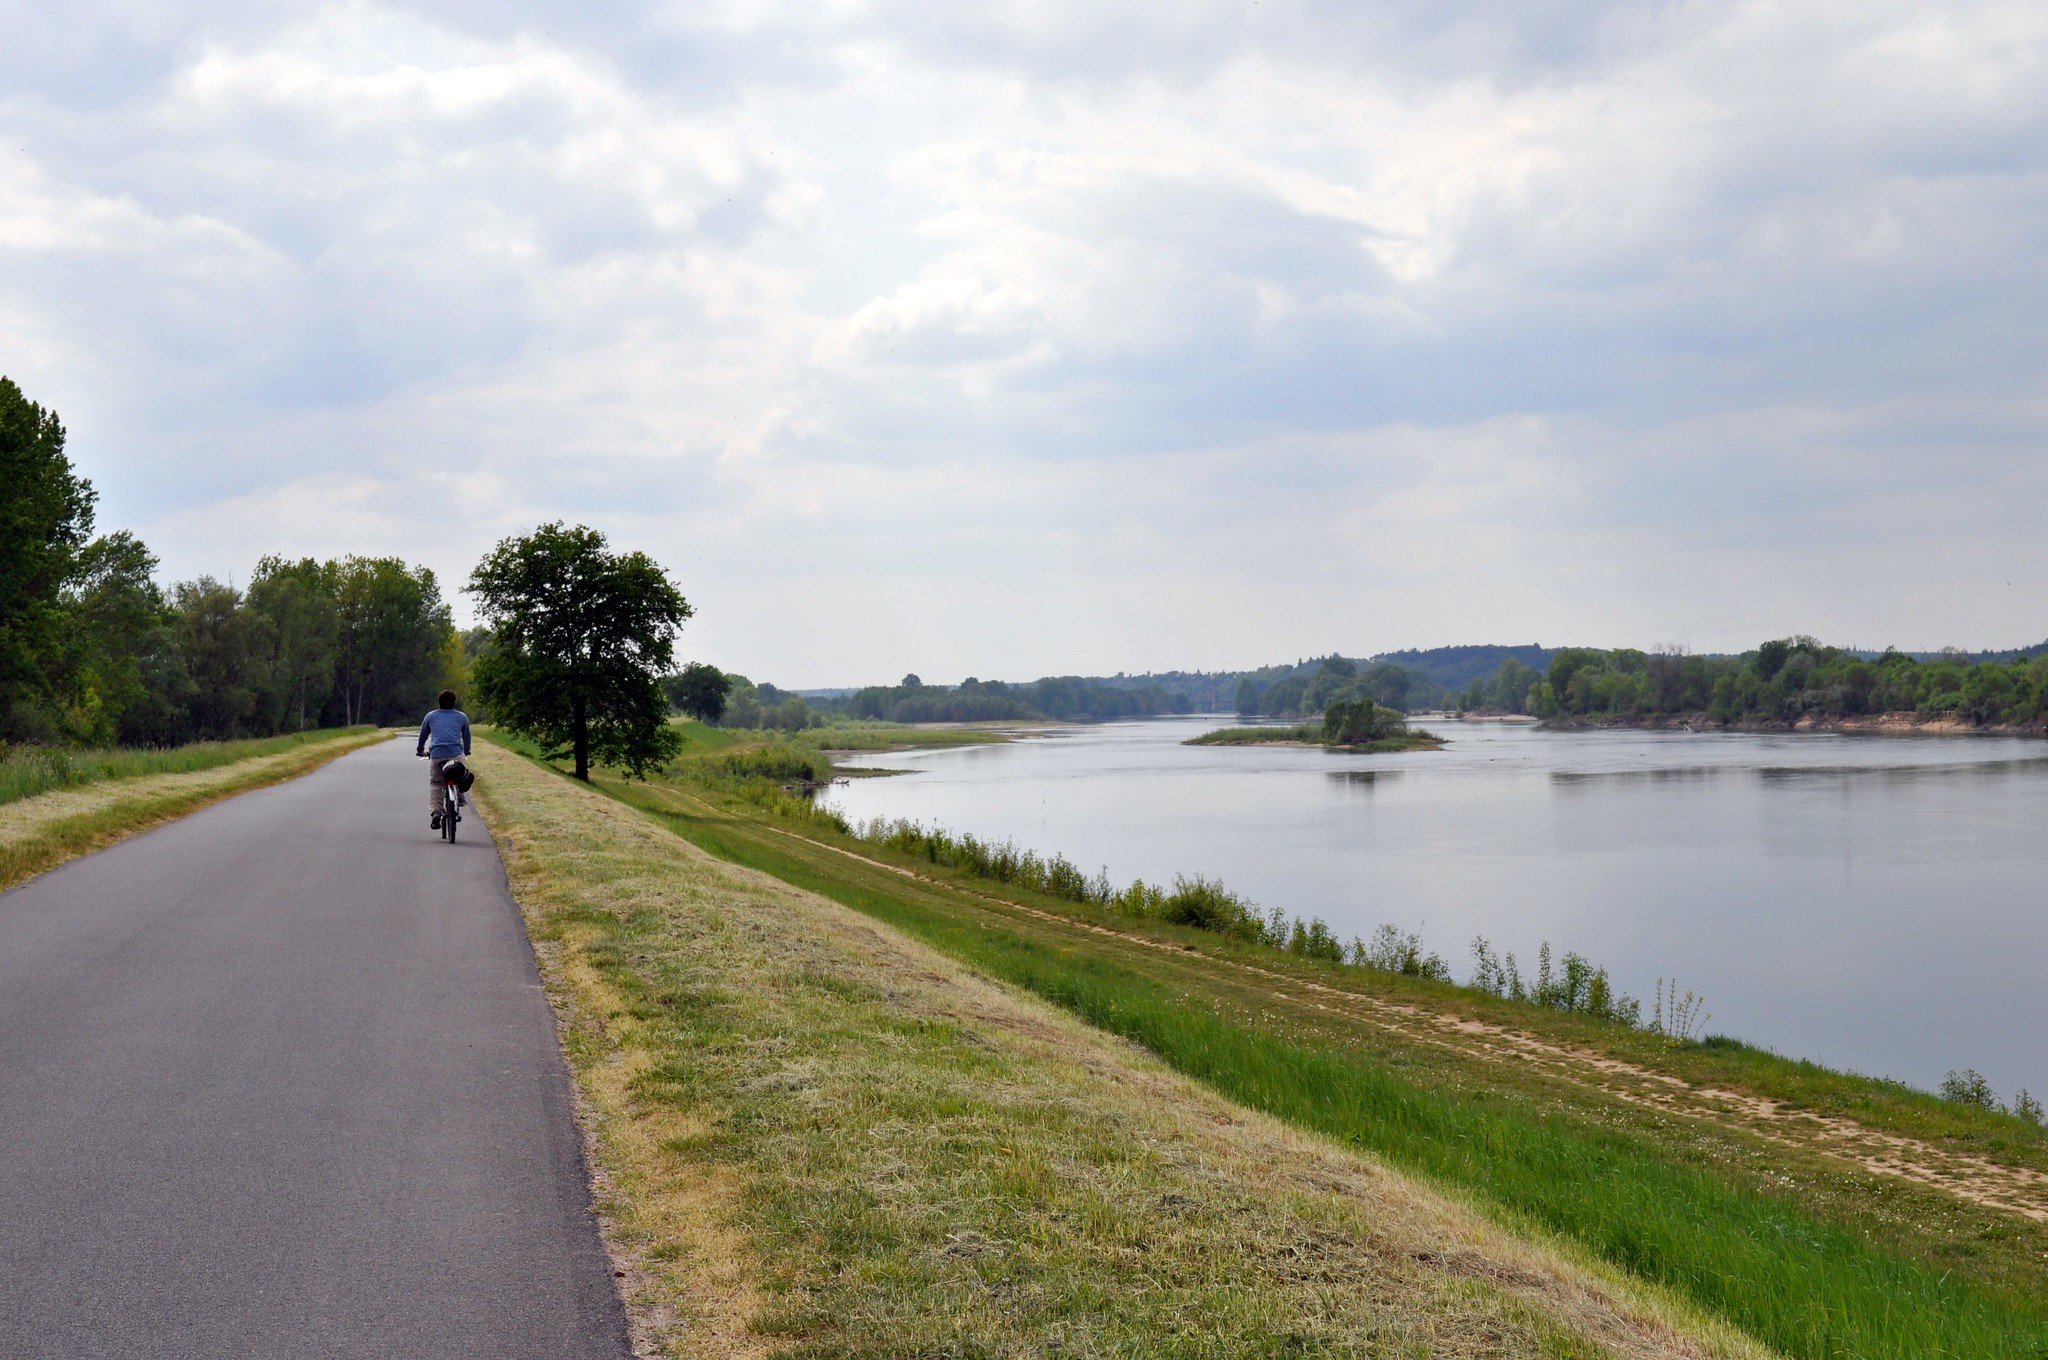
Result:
[1877,903]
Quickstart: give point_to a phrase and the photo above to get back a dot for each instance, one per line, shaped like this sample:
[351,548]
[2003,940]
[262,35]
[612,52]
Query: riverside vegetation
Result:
[1792,681]
[1786,682]
[1823,1213]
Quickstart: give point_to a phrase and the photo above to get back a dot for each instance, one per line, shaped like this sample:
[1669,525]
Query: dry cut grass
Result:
[813,1136]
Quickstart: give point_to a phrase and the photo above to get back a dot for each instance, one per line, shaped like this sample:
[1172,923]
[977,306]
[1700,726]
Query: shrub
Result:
[1314,940]
[1206,904]
[1969,1087]
[1391,951]
[781,763]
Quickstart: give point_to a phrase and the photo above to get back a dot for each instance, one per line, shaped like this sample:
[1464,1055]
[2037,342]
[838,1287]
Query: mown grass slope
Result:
[816,1136]
[1779,1227]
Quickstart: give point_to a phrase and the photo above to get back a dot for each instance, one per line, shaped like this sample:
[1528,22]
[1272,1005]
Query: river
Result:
[1878,903]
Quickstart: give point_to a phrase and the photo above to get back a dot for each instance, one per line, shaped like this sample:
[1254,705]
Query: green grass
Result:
[1271,734]
[1812,1271]
[818,1139]
[885,736]
[26,771]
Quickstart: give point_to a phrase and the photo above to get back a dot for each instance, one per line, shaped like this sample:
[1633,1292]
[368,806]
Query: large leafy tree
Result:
[124,671]
[583,635]
[393,643]
[300,627]
[699,690]
[45,520]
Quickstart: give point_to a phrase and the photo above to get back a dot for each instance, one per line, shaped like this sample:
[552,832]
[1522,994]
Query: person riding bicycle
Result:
[444,736]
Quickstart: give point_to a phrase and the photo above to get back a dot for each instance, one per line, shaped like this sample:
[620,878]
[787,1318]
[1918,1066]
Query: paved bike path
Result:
[279,1080]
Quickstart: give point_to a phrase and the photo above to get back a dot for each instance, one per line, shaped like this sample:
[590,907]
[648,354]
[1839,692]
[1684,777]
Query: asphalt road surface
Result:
[279,1080]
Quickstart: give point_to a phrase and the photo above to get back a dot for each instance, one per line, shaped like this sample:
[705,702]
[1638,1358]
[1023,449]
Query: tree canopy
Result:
[699,690]
[93,650]
[581,636]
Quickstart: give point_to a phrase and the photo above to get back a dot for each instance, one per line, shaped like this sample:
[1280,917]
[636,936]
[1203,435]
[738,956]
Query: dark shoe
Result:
[436,822]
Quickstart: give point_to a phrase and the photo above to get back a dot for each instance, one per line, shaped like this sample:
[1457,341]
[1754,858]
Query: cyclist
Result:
[444,736]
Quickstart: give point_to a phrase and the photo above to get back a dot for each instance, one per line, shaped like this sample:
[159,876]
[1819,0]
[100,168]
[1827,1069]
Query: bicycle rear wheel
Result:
[449,817]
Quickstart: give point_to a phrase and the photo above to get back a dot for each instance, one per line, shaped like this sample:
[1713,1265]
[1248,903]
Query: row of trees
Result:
[1788,680]
[94,651]
[1305,691]
[1066,698]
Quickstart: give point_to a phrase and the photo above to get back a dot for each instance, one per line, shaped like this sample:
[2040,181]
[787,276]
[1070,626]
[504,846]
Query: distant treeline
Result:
[1789,680]
[1064,698]
[1060,698]
[1301,689]
[1410,680]
[1782,681]
[93,651]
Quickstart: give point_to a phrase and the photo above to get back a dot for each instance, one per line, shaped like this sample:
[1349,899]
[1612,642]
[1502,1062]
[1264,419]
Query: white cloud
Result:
[1017,338]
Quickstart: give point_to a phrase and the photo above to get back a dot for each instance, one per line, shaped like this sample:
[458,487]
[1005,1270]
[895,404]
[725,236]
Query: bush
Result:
[1357,722]
[1206,904]
[780,763]
[1392,951]
[1969,1087]
[1313,940]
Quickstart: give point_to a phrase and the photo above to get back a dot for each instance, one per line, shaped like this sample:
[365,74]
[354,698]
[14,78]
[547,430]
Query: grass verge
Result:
[1818,1257]
[815,1136]
[26,771]
[130,794]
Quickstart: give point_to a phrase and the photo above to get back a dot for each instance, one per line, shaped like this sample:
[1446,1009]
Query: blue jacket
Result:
[445,733]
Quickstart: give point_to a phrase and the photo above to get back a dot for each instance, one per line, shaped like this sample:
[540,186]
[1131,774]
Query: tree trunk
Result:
[581,736]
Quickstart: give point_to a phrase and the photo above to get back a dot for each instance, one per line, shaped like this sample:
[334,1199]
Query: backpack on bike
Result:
[460,775]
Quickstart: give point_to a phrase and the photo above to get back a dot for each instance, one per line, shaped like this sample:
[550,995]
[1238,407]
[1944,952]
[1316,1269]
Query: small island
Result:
[1358,726]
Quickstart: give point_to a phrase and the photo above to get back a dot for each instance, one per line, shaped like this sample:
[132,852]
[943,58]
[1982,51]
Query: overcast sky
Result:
[1068,337]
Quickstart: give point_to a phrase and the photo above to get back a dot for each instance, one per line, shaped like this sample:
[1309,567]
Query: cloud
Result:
[1006,339]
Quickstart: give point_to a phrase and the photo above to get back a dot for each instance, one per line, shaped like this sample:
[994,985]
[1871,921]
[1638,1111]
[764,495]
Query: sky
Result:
[1073,336]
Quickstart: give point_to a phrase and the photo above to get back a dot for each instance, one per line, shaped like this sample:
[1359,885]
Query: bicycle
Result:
[452,803]
[452,799]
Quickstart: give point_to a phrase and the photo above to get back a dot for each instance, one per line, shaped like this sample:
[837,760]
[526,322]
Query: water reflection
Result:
[1671,774]
[1362,779]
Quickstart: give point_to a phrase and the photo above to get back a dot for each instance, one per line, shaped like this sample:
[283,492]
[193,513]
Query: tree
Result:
[698,690]
[121,682]
[213,631]
[45,520]
[393,651]
[300,619]
[583,635]
[1357,722]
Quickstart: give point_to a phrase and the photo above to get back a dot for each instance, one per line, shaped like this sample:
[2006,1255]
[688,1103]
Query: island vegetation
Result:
[1359,726]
